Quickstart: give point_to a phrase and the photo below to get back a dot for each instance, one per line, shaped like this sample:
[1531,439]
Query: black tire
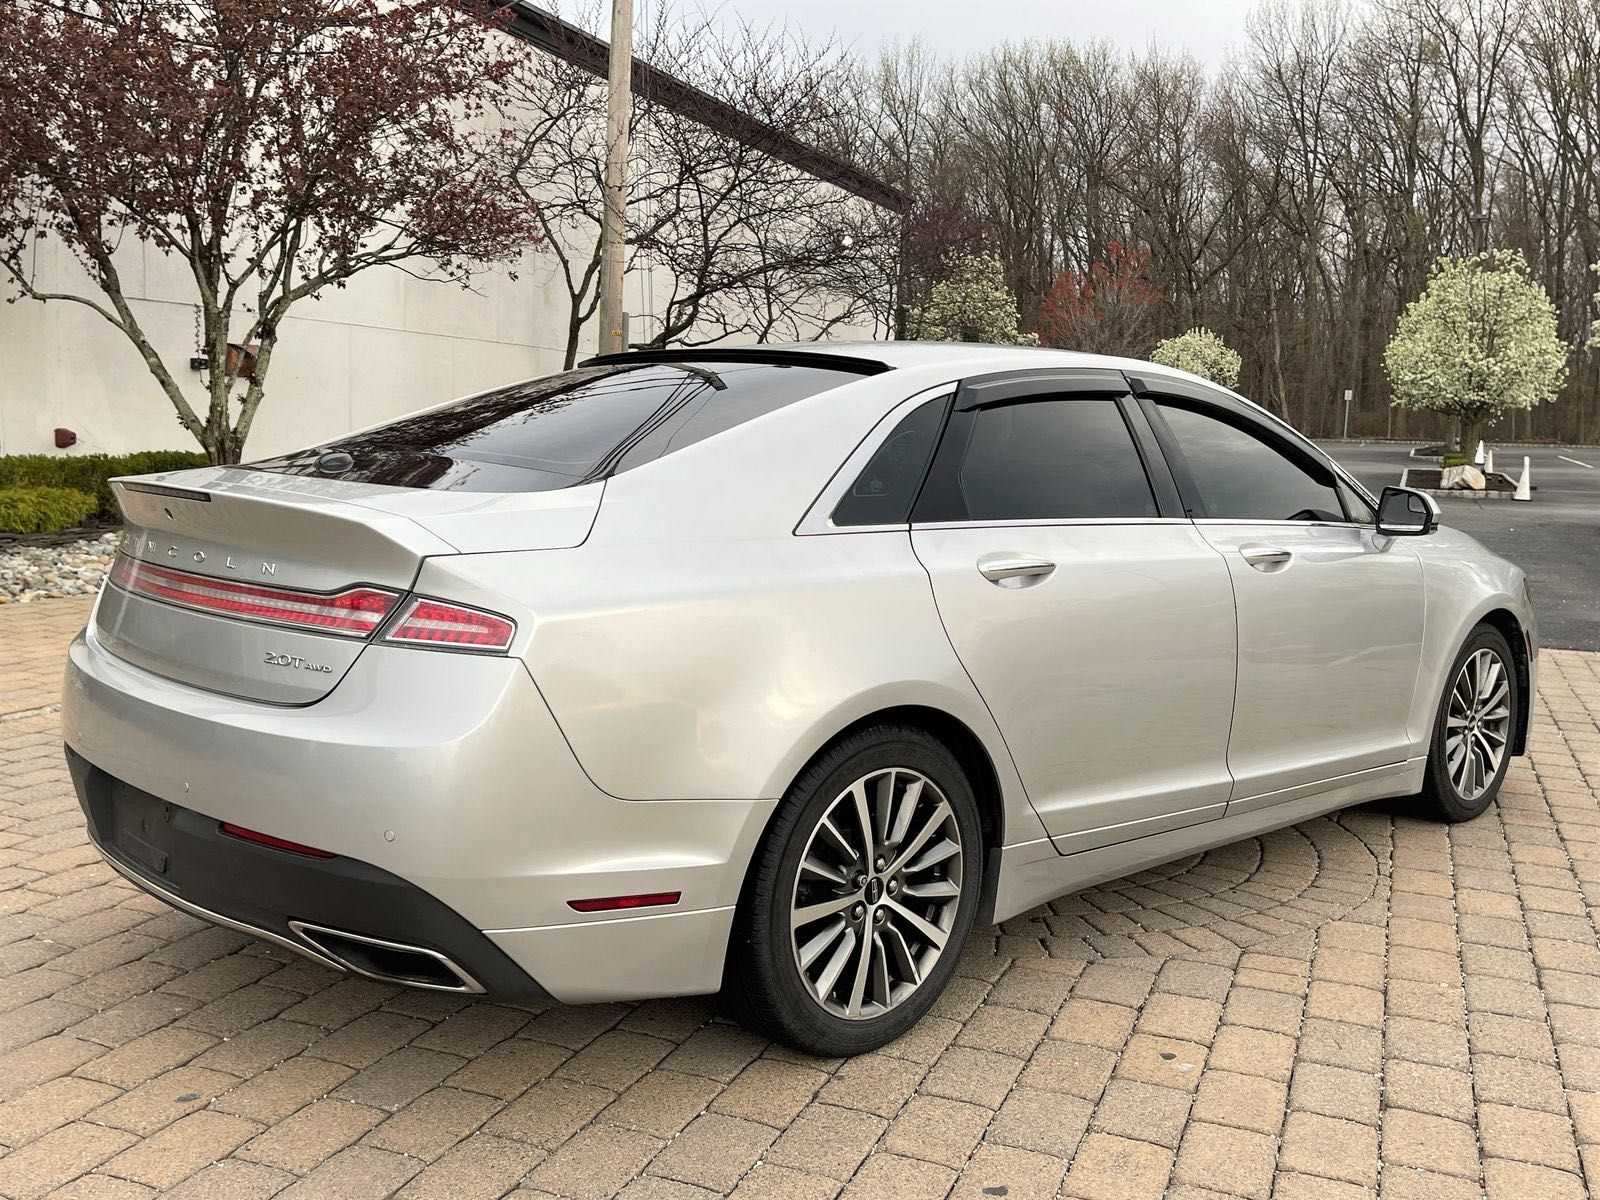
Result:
[1440,799]
[763,986]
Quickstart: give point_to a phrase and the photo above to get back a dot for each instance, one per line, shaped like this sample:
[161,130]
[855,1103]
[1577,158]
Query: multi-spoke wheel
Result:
[1477,725]
[861,896]
[1477,719]
[876,895]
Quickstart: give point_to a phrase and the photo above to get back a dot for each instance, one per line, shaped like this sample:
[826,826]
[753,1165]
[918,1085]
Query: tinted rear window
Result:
[1040,459]
[565,429]
[883,492]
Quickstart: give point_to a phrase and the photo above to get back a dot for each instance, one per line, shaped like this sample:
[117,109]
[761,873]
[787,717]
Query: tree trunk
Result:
[1277,357]
[574,331]
[216,450]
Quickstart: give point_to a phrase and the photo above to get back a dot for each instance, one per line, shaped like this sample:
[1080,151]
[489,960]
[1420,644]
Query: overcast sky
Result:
[1206,28]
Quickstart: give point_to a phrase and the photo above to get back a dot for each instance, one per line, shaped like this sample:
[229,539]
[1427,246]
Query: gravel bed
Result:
[36,572]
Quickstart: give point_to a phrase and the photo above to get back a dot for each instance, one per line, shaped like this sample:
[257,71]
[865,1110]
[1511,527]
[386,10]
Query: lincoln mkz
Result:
[767,672]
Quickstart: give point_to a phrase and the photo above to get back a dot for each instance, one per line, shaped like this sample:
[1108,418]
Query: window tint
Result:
[564,429]
[1045,459]
[883,492]
[1243,477]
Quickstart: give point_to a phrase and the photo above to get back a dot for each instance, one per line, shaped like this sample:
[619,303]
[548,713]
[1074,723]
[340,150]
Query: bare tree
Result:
[1294,200]
[739,240]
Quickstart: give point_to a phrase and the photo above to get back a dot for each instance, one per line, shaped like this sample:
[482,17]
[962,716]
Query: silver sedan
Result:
[767,671]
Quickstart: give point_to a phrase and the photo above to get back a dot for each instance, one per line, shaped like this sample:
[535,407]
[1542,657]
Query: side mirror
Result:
[1403,512]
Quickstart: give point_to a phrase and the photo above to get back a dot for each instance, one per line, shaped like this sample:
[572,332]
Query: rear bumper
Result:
[444,787]
[187,860]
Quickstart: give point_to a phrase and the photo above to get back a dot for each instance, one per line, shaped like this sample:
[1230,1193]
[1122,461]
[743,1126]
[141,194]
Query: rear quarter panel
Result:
[696,647]
[716,671]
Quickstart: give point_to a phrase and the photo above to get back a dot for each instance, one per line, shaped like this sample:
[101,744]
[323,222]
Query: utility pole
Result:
[614,219]
[1480,230]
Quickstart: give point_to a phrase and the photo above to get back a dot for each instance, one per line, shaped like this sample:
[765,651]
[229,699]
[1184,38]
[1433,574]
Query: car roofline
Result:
[856,365]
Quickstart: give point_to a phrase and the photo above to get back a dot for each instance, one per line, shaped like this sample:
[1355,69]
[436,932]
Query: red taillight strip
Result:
[447,626]
[353,613]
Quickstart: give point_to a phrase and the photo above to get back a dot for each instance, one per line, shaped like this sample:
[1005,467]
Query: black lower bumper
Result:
[184,856]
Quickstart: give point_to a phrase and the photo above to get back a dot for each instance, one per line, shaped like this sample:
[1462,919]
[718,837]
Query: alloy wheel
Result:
[1477,723]
[876,893]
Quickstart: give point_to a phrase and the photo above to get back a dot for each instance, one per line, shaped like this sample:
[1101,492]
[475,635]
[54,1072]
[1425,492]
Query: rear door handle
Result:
[1262,557]
[997,569]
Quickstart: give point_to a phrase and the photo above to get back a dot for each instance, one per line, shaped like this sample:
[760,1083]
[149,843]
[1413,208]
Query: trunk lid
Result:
[228,531]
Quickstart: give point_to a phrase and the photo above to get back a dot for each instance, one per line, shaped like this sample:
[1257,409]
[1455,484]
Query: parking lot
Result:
[1555,538]
[1364,1003]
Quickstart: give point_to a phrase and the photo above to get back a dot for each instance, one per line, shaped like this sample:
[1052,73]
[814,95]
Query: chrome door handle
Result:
[996,569]
[1265,556]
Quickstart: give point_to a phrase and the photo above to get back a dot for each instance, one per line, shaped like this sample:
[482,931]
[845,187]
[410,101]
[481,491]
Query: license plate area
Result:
[141,827]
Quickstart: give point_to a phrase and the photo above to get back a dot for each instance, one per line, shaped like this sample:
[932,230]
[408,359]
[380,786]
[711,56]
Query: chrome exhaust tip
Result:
[391,962]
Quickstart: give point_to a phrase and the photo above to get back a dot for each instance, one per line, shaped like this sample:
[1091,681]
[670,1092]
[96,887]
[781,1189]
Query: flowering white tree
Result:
[971,304]
[1202,353]
[1480,339]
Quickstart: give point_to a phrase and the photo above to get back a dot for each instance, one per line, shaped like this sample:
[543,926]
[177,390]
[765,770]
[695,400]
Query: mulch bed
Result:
[61,537]
[1427,477]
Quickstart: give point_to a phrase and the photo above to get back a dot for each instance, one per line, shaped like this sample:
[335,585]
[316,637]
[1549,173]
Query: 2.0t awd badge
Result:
[294,660]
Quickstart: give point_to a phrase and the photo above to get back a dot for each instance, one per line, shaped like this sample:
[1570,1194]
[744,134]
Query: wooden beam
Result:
[565,40]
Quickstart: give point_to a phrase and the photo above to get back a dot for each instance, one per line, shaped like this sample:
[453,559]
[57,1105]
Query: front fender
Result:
[1465,584]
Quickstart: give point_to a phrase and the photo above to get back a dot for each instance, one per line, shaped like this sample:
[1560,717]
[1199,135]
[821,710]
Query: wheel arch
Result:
[975,759]
[1506,622]
[961,741]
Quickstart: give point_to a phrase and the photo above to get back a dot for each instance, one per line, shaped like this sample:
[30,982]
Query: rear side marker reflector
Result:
[450,627]
[613,903]
[353,613]
[277,843]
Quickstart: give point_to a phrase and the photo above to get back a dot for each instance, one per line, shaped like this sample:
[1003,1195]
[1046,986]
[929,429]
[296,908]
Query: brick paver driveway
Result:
[1363,1003]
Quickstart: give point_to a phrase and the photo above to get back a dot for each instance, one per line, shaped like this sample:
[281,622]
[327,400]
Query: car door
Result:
[1092,616]
[1330,614]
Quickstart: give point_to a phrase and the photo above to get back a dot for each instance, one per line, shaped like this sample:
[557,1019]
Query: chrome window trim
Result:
[1032,522]
[819,517]
[1046,522]
[1275,521]
[831,528]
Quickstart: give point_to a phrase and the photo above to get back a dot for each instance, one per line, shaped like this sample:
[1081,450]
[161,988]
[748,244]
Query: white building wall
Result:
[383,346]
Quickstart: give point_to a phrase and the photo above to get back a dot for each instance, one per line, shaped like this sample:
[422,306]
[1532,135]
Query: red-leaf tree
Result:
[1110,309]
[275,149]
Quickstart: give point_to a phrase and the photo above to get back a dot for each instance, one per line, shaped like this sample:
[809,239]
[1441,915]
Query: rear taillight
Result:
[352,613]
[443,626]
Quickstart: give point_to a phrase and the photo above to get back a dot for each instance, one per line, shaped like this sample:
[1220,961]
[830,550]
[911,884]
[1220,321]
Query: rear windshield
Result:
[565,429]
